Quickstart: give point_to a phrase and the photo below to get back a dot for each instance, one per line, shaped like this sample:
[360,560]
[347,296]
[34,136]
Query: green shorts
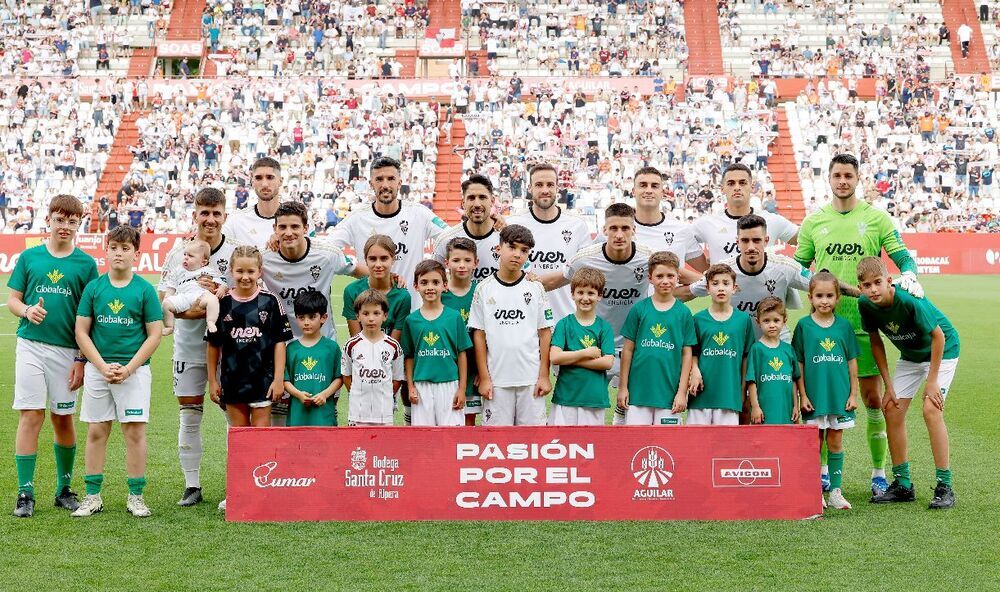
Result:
[866,361]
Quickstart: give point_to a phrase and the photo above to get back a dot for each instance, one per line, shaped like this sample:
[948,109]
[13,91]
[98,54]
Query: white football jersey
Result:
[487,250]
[780,276]
[372,366]
[511,315]
[718,233]
[314,271]
[669,235]
[556,242]
[625,283]
[249,228]
[410,228]
[189,335]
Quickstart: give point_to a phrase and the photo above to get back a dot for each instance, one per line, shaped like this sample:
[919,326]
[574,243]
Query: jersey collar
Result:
[752,273]
[465,227]
[392,215]
[531,210]
[304,255]
[510,284]
[604,251]
[663,218]
[257,212]
[732,217]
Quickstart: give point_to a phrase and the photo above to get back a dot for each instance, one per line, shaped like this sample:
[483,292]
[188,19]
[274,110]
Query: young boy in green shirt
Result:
[461,260]
[773,377]
[435,343]
[725,336]
[45,290]
[118,326]
[312,366]
[583,346]
[928,347]
[658,335]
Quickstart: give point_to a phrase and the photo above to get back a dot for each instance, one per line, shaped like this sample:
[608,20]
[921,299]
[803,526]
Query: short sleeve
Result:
[397,367]
[748,336]
[152,311]
[463,342]
[19,277]
[921,315]
[786,229]
[850,340]
[345,363]
[280,328]
[560,338]
[631,326]
[222,326]
[86,306]
[545,318]
[348,310]
[690,335]
[336,364]
[868,322]
[289,365]
[751,374]
[341,235]
[796,373]
[692,249]
[607,336]
[805,252]
[797,345]
[440,251]
[406,338]
[699,288]
[343,263]
[403,309]
[477,313]
[799,278]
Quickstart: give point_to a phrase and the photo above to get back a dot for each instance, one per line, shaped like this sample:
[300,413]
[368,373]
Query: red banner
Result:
[518,473]
[950,253]
[152,251]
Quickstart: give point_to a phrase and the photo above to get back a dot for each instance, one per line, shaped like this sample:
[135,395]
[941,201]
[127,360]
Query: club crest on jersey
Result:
[385,357]
[862,227]
[496,252]
[279,276]
[404,226]
[639,272]
[567,236]
[770,285]
[668,237]
[263,316]
[527,297]
[314,271]
[223,265]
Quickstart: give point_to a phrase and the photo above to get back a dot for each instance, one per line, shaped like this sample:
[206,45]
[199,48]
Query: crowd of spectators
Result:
[599,142]
[52,142]
[929,161]
[589,38]
[324,135]
[333,38]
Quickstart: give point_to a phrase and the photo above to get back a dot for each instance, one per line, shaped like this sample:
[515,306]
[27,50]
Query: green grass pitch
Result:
[901,547]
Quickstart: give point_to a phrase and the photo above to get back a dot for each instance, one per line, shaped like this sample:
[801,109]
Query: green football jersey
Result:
[119,316]
[312,369]
[576,386]
[463,304]
[399,304]
[722,345]
[824,353]
[659,338]
[774,371]
[434,345]
[60,281]
[836,242]
[908,323]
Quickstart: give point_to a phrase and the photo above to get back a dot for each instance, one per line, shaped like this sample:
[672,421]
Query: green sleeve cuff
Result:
[904,262]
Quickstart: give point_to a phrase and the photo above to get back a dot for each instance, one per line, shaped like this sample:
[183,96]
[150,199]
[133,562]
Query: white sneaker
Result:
[837,500]
[222,506]
[91,505]
[137,506]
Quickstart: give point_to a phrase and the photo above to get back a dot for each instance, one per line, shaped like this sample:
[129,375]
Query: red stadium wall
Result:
[522,473]
[962,254]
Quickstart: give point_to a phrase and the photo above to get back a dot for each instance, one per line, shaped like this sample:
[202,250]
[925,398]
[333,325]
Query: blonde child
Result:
[189,292]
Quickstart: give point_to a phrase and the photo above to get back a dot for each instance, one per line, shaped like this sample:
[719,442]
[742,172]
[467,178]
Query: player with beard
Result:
[409,225]
[190,369]
[478,202]
[255,226]
[559,234]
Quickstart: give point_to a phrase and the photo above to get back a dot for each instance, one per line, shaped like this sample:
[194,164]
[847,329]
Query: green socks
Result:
[943,476]
[878,444]
[901,473]
[93,483]
[823,453]
[25,472]
[65,456]
[136,484]
[836,469]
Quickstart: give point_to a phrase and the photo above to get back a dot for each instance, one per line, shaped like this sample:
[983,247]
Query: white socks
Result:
[189,444]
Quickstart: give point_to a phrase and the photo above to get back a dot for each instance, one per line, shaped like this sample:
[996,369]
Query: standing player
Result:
[47,362]
[658,231]
[478,226]
[835,238]
[189,364]
[559,234]
[760,275]
[256,226]
[303,264]
[718,231]
[462,261]
[409,225]
[623,263]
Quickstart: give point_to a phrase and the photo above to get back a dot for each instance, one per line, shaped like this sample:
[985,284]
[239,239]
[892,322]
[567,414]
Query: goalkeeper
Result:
[836,238]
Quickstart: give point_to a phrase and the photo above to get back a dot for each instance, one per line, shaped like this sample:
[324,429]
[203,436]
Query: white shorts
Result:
[832,422]
[183,301]
[434,408]
[473,404]
[42,371]
[713,417]
[637,415]
[514,405]
[126,402]
[561,415]
[910,375]
[190,379]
